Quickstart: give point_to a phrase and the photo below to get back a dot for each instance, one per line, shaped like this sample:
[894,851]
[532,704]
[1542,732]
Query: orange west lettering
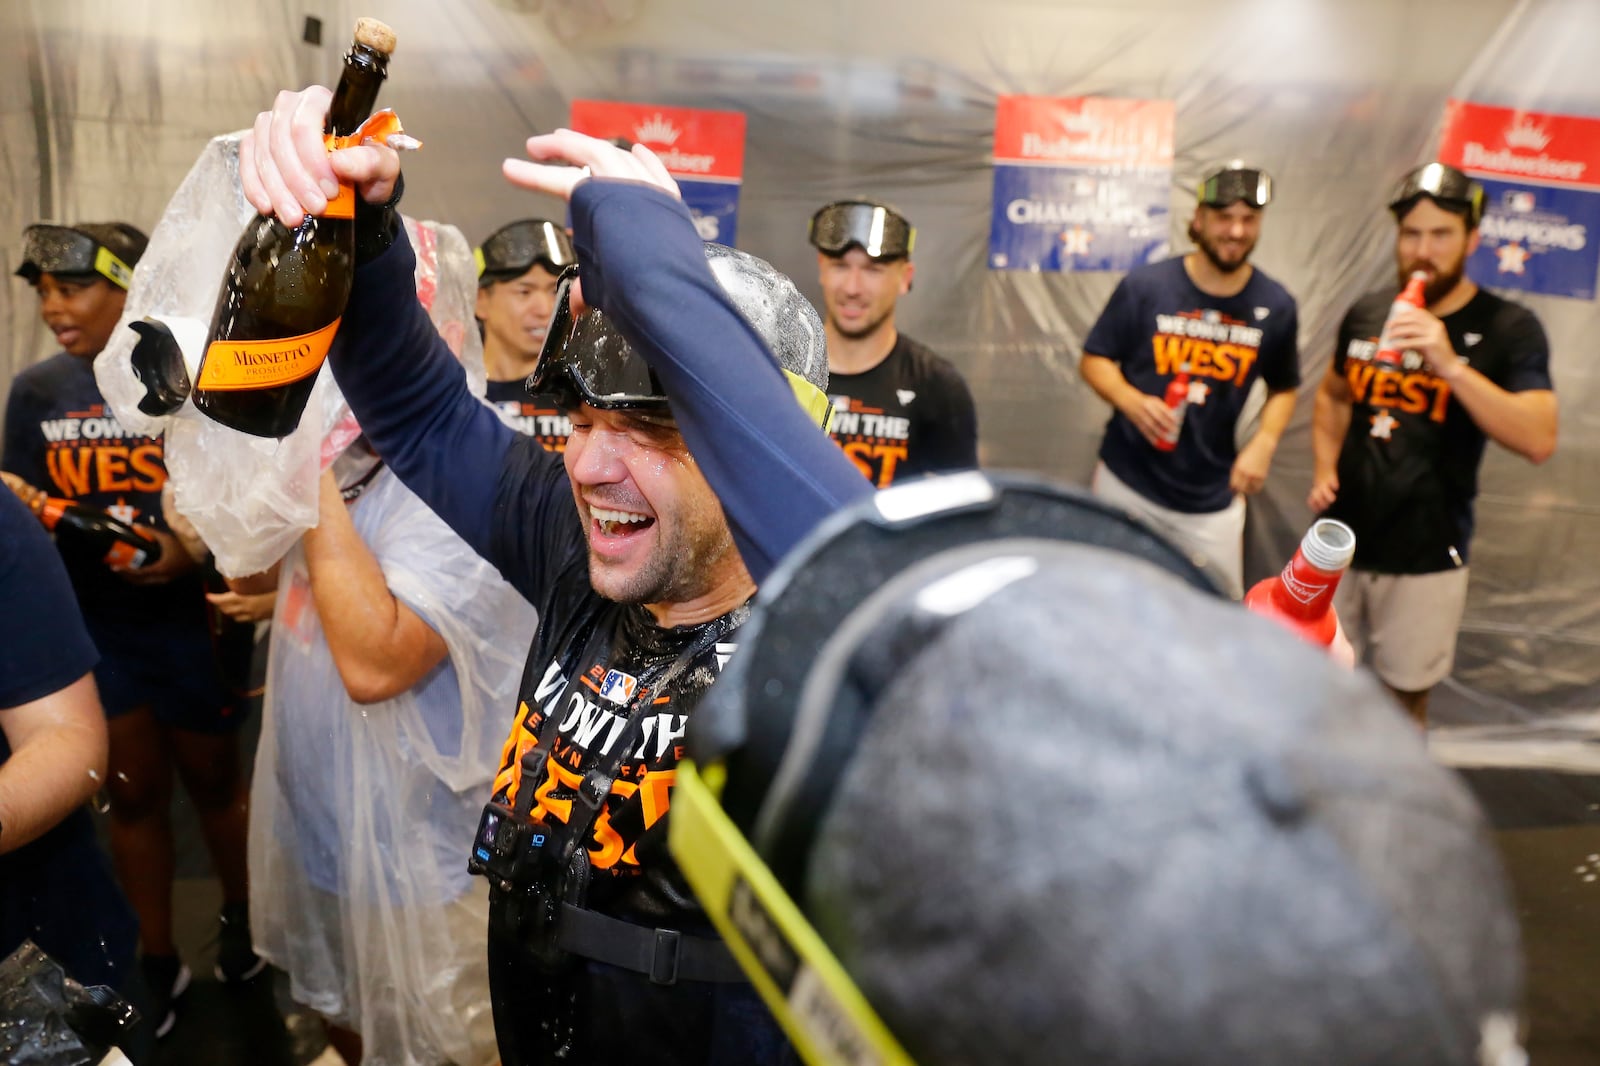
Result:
[148,473]
[1170,352]
[610,842]
[1441,401]
[110,468]
[1360,376]
[69,469]
[556,774]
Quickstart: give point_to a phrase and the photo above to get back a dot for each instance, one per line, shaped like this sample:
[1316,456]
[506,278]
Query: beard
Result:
[1208,248]
[683,564]
[1442,280]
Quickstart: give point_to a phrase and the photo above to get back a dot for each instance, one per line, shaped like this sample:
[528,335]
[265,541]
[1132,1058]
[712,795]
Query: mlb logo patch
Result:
[1519,200]
[619,687]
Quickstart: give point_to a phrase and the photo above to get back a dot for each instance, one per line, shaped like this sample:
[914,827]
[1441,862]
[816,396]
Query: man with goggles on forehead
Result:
[167,704]
[900,410]
[1226,325]
[518,265]
[1397,448]
[690,470]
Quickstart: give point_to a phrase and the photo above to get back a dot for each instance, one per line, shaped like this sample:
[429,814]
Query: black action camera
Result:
[508,848]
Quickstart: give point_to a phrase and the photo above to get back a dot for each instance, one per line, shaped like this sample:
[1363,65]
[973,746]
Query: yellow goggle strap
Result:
[813,400]
[823,1012]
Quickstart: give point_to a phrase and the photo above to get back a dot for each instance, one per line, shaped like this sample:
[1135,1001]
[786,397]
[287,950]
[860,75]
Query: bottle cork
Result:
[375,35]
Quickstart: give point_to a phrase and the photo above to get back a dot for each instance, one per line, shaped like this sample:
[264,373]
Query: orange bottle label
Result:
[234,365]
[343,205]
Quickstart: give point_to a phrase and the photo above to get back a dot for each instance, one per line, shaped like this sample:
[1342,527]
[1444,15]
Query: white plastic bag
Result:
[250,498]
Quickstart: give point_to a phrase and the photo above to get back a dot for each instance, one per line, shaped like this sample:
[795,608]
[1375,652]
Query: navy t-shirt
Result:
[534,416]
[1158,320]
[56,890]
[60,436]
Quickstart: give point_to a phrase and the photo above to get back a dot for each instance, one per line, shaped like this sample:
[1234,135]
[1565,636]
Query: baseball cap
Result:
[879,230]
[512,250]
[1445,186]
[1041,796]
[108,249]
[1234,182]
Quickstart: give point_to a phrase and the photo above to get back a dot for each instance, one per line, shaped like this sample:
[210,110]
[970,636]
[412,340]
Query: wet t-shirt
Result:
[1408,468]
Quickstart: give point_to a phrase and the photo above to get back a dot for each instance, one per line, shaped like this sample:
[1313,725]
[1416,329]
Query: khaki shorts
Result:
[1404,625]
[1214,540]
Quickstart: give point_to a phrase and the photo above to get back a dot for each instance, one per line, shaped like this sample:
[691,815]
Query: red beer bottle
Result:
[1410,296]
[1301,597]
[1177,398]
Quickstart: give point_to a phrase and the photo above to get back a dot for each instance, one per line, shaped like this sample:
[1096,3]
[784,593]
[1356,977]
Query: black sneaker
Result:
[237,961]
[167,978]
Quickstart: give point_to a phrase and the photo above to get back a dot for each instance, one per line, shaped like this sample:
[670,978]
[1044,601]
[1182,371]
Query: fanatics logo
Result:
[1472,339]
[619,687]
[1262,312]
[906,396]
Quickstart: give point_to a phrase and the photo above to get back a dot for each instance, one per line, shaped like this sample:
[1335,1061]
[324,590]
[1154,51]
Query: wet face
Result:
[656,532]
[859,292]
[80,311]
[1226,235]
[1436,242]
[516,313]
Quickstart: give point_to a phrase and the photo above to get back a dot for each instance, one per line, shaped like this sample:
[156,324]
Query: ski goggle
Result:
[512,250]
[881,232]
[1443,184]
[61,250]
[585,359]
[769,745]
[1233,184]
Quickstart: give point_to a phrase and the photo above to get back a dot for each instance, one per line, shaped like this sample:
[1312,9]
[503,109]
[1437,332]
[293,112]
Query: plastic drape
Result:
[361,815]
[107,103]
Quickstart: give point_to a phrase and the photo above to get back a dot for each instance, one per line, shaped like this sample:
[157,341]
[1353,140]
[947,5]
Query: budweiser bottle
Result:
[1301,598]
[1177,398]
[1410,296]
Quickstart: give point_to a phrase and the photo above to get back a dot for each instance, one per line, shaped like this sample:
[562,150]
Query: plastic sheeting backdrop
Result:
[106,104]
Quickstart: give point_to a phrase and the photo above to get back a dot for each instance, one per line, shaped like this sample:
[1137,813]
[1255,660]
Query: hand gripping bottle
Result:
[1410,296]
[286,289]
[1177,398]
[1301,598]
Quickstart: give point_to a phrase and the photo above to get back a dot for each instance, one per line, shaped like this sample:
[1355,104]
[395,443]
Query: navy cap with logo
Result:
[512,250]
[88,249]
[1445,186]
[874,227]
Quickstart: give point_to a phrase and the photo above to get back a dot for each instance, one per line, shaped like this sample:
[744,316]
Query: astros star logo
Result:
[1198,391]
[1076,241]
[1512,257]
[1383,425]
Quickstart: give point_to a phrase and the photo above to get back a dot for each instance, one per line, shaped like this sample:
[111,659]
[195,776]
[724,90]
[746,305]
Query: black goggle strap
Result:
[1225,187]
[880,232]
[802,982]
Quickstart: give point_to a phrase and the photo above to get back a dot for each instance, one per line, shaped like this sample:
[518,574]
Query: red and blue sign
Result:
[702,150]
[1081,183]
[1541,176]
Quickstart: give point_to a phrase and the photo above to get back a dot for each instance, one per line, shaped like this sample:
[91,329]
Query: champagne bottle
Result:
[1301,597]
[286,288]
[1410,296]
[87,529]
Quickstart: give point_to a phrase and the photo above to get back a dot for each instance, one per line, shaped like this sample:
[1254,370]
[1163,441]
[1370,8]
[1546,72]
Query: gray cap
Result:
[1102,818]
